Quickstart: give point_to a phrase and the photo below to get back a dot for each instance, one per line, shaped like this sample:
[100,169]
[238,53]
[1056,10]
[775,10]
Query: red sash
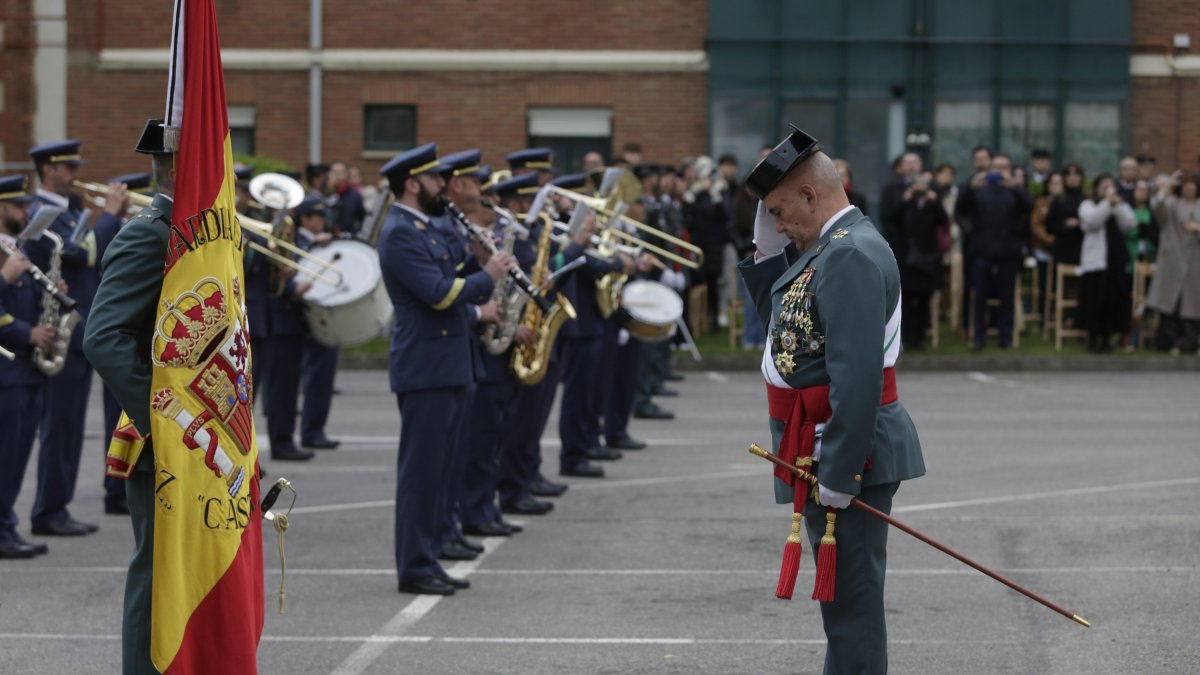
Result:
[802,410]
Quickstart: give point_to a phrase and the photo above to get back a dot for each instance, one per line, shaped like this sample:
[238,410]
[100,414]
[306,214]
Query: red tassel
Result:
[826,562]
[790,568]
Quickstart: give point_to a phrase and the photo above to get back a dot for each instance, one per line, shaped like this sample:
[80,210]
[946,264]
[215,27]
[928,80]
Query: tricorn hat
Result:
[794,149]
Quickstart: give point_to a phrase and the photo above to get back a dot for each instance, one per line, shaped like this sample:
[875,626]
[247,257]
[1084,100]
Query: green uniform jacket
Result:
[840,326]
[120,328]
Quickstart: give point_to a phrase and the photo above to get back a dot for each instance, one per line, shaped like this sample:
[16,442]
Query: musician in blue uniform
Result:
[431,359]
[21,385]
[287,336]
[115,502]
[532,160]
[320,361]
[64,414]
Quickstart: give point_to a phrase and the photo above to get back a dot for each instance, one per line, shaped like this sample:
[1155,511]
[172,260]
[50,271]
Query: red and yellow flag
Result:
[207,614]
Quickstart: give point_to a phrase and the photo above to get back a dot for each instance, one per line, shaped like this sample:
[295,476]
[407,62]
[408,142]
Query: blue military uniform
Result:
[21,386]
[530,159]
[320,362]
[64,414]
[431,366]
[114,488]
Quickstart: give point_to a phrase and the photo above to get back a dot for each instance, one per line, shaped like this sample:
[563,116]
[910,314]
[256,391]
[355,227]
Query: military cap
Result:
[14,189]
[134,182]
[484,173]
[152,140]
[789,154]
[243,174]
[530,158]
[59,152]
[461,163]
[410,164]
[571,181]
[517,185]
[311,206]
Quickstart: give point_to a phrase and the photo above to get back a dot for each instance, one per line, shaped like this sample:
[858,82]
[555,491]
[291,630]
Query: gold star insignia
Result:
[841,232]
[787,341]
[785,363]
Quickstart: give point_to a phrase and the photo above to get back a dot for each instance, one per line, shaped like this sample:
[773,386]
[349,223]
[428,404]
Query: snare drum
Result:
[651,310]
[357,310]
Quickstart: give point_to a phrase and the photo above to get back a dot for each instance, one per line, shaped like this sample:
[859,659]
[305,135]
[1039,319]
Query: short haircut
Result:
[727,158]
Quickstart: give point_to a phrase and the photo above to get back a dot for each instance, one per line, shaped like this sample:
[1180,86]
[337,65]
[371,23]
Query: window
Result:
[241,129]
[389,127]
[741,126]
[1092,135]
[1024,128]
[571,133]
[959,126]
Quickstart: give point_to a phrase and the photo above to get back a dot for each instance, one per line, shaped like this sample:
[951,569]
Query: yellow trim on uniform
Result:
[64,158]
[528,190]
[464,170]
[460,267]
[423,168]
[13,195]
[539,165]
[6,319]
[455,290]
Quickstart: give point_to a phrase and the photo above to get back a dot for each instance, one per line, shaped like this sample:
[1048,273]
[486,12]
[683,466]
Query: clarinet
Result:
[484,239]
[65,302]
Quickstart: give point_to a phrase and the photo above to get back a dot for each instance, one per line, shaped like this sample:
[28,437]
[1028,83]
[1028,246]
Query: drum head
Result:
[354,263]
[651,302]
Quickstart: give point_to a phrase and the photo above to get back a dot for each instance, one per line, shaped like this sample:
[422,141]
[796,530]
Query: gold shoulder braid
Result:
[794,332]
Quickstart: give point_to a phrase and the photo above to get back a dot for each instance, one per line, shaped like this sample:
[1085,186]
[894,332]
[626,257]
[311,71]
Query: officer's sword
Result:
[862,506]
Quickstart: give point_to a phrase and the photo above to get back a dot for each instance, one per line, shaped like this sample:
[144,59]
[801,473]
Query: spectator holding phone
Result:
[1104,302]
[1175,292]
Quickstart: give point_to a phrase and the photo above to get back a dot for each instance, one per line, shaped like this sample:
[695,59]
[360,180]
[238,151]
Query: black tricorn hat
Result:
[151,142]
[794,149]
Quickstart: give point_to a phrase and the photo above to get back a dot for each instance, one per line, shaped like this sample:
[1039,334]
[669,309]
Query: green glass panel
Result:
[742,125]
[1024,127]
[1092,135]
[959,126]
[743,17]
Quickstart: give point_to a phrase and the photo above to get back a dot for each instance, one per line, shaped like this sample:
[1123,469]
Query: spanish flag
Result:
[207,601]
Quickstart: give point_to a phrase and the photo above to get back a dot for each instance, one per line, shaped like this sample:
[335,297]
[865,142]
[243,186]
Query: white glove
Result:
[838,500]
[766,239]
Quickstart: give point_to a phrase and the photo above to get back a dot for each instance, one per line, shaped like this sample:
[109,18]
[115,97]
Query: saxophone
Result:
[497,337]
[529,363]
[51,361]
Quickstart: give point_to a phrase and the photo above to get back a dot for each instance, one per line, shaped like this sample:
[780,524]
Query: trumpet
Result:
[98,191]
[563,239]
[602,207]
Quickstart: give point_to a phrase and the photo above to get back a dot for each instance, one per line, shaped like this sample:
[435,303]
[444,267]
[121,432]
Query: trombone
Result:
[98,191]
[601,206]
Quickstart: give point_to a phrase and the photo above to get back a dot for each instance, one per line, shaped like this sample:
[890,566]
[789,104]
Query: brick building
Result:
[360,80]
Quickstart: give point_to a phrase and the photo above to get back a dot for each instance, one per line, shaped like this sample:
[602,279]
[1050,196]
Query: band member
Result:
[532,160]
[21,385]
[114,488]
[320,361]
[287,336]
[431,359]
[827,287]
[118,342]
[64,414]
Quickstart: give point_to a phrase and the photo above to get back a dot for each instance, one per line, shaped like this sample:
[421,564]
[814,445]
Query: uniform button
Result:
[445,257]
[434,241]
[444,333]
[858,476]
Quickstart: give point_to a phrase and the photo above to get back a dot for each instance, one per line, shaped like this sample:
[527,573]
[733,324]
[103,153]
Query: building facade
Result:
[360,80]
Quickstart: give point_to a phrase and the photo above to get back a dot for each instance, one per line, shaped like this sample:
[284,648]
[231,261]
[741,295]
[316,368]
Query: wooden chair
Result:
[1031,288]
[698,309]
[736,318]
[1143,272]
[1064,301]
[935,318]
[1018,316]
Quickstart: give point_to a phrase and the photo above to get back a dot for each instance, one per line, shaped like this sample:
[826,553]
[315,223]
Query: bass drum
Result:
[355,311]
[651,310]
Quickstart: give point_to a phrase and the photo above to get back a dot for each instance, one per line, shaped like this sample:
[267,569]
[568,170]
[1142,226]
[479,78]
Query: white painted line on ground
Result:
[325,468]
[984,378]
[381,443]
[717,377]
[374,647]
[1122,488]
[382,642]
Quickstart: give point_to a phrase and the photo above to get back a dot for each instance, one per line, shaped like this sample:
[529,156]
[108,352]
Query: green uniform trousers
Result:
[135,623]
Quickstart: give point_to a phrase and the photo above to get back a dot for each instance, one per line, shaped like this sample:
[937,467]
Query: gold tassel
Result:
[281,526]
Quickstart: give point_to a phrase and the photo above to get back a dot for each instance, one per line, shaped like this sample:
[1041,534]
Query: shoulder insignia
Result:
[419,225]
[841,232]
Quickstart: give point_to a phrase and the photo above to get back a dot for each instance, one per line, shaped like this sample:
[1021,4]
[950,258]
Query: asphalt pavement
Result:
[1083,486]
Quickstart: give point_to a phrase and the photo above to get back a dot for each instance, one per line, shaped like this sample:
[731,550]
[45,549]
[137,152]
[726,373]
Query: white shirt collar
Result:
[415,213]
[829,223]
[55,199]
[167,197]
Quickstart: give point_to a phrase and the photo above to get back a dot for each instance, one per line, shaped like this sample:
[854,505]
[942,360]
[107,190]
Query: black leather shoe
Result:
[603,454]
[673,377]
[116,507]
[11,549]
[67,527]
[288,452]
[487,530]
[545,488]
[512,527]
[452,550]
[430,586]
[528,507]
[320,443]
[453,582]
[38,547]
[626,443]
[468,544]
[653,412]
[663,391]
[583,470]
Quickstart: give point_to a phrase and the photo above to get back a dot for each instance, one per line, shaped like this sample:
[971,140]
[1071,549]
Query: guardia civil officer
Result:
[21,385]
[431,359]
[826,285]
[140,183]
[64,414]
